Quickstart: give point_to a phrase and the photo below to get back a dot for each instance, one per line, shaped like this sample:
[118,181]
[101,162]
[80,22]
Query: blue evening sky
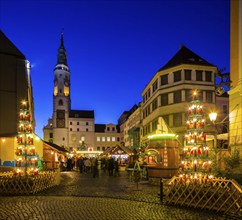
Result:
[114,47]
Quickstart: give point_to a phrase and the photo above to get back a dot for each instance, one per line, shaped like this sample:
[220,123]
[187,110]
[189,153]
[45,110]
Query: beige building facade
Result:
[106,136]
[235,93]
[169,92]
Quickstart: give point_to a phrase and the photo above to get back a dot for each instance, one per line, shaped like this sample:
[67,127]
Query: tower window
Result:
[60,102]
[60,91]
[86,123]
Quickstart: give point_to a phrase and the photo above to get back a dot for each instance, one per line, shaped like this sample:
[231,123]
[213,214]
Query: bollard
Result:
[161,190]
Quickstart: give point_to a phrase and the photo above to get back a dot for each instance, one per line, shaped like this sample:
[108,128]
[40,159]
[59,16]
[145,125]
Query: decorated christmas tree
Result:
[26,162]
[196,163]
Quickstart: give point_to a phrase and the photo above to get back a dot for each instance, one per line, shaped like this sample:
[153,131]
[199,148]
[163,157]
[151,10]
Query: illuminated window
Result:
[66,90]
[103,139]
[98,139]
[113,138]
[56,90]
[108,138]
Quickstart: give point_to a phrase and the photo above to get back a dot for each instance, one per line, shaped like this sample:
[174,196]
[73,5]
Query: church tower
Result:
[61,97]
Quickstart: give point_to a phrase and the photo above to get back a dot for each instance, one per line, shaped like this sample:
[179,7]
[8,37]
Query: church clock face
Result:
[60,119]
[60,123]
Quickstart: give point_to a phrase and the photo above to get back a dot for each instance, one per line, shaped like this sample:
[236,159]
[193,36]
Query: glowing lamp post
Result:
[213,117]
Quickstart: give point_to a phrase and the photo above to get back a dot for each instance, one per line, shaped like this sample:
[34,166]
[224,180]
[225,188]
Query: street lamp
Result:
[213,117]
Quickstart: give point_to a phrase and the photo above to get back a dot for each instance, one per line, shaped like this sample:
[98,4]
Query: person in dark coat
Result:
[116,168]
[95,167]
[110,166]
[80,164]
[69,164]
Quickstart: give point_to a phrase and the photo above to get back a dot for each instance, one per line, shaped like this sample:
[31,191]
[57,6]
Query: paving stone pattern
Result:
[80,196]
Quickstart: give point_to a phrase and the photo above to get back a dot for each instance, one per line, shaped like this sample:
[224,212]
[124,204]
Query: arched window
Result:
[60,102]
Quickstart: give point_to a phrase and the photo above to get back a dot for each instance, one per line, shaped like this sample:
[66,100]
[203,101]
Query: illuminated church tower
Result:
[61,97]
[72,128]
[57,128]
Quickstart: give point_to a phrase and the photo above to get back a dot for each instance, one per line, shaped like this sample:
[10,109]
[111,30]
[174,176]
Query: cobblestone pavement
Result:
[80,196]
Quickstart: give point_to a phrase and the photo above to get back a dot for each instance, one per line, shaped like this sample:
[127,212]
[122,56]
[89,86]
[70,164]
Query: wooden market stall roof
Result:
[118,150]
[55,147]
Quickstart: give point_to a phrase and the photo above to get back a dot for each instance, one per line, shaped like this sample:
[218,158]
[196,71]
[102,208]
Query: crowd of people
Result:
[94,164]
[105,164]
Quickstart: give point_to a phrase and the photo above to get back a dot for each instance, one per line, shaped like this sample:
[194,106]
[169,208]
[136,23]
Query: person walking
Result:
[88,165]
[116,168]
[80,163]
[110,166]
[95,167]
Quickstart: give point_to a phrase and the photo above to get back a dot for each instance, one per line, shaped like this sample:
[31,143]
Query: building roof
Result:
[118,150]
[81,114]
[61,57]
[8,48]
[185,56]
[126,114]
[100,128]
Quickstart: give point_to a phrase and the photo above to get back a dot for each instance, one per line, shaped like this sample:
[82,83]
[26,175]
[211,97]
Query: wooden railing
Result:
[25,185]
[217,194]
